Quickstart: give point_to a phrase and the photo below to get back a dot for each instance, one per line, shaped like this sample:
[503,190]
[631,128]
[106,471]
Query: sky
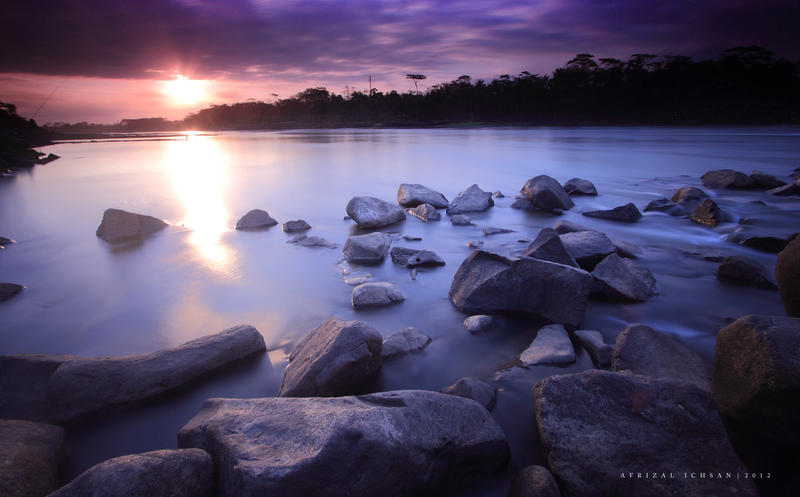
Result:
[105,60]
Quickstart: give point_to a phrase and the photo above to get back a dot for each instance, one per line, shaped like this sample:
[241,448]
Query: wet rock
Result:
[758,239]
[625,249]
[8,290]
[490,230]
[256,219]
[579,186]
[787,273]
[119,226]
[491,283]
[534,481]
[588,247]
[367,249]
[161,473]
[627,213]
[335,358]
[461,220]
[498,194]
[664,205]
[380,294]
[475,244]
[404,341]
[786,190]
[649,423]
[425,212]
[688,197]
[593,342]
[622,279]
[411,238]
[23,385]
[548,247]
[547,194]
[79,386]
[523,204]
[478,323]
[745,271]
[413,274]
[412,195]
[708,213]
[644,351]
[48,159]
[408,257]
[708,254]
[470,388]
[726,179]
[295,226]
[765,181]
[371,212]
[402,443]
[473,199]
[357,280]
[29,457]
[551,346]
[563,227]
[5,241]
[311,241]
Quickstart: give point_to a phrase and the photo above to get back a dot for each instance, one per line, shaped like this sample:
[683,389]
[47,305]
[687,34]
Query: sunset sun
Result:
[185,91]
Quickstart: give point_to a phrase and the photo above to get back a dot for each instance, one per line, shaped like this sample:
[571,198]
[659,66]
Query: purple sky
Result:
[104,60]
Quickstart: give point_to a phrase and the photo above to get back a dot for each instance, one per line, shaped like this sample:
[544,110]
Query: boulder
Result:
[593,342]
[534,481]
[473,199]
[404,341]
[664,205]
[425,212]
[745,271]
[688,197]
[161,473]
[786,190]
[491,283]
[295,226]
[367,249]
[461,220]
[29,457]
[622,279]
[120,226]
[79,386]
[491,230]
[470,388]
[726,179]
[644,351]
[335,358]
[256,219]
[627,213]
[412,195]
[8,290]
[758,239]
[599,429]
[402,443]
[412,238]
[408,257]
[311,241]
[579,186]
[562,227]
[498,194]
[551,346]
[548,247]
[478,323]
[546,193]
[787,273]
[588,247]
[523,204]
[707,212]
[379,294]
[23,385]
[765,181]
[371,212]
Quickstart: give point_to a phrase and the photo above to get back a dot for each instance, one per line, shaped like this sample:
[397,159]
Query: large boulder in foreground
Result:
[367,249]
[29,457]
[81,385]
[598,427]
[402,443]
[473,199]
[644,351]
[488,283]
[534,481]
[745,271]
[547,194]
[161,473]
[787,273]
[727,179]
[121,226]
[371,212]
[412,195]
[255,219]
[335,358]
[548,247]
[627,213]
[622,279]
[588,247]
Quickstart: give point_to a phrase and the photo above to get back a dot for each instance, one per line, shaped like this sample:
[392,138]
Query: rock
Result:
[256,219]
[787,273]
[551,346]
[119,226]
[593,342]
[404,341]
[664,205]
[498,194]
[627,213]
[475,244]
[161,473]
[357,280]
[8,290]
[79,385]
[546,193]
[488,231]
[478,323]
[524,204]
[708,254]
[548,247]
[379,294]
[707,212]
[23,385]
[425,212]
[473,199]
[562,227]
[745,271]
[757,239]
[588,248]
[644,351]
[48,159]
[491,283]
[312,241]
[534,481]
[726,179]
[470,388]
[412,195]
[411,238]
[408,257]
[335,358]
[765,181]
[622,279]
[294,226]
[688,197]
[5,241]
[578,186]
[786,190]
[402,443]
[371,212]
[29,457]
[461,220]
[367,249]
[625,249]
[413,274]
[633,420]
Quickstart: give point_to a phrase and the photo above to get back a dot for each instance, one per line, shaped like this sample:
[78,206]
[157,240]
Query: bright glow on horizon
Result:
[185,91]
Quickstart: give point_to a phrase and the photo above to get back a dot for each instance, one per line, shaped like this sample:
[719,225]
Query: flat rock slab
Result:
[311,241]
[473,199]
[256,219]
[622,279]
[403,342]
[413,194]
[371,212]
[408,257]
[425,212]
[787,273]
[402,443]
[295,226]
[120,226]
[29,457]
[587,247]
[161,473]
[644,351]
[9,290]
[596,426]
[546,193]
[534,481]
[708,213]
[627,213]
[580,186]
[367,249]
[745,271]
[726,179]
[379,294]
[551,346]
[492,230]
[593,342]
[470,388]
[548,247]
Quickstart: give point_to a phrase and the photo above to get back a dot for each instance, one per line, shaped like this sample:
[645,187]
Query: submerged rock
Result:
[470,388]
[579,186]
[402,443]
[311,241]
[256,219]
[380,294]
[726,179]
[120,226]
[490,230]
[475,244]
[786,190]
[478,323]
[562,227]
[5,241]
[765,181]
[593,342]
[547,194]
[707,212]
[473,199]
[664,205]
[758,239]
[787,273]
[367,249]
[461,220]
[161,473]
[534,481]
[8,290]
[404,341]
[371,212]
[408,257]
[412,195]
[745,271]
[294,226]
[548,247]
[524,204]
[425,212]
[30,454]
[412,238]
[627,213]
[551,346]
[588,247]
[625,249]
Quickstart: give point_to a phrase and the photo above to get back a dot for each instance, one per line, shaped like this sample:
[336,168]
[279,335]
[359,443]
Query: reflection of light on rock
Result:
[199,171]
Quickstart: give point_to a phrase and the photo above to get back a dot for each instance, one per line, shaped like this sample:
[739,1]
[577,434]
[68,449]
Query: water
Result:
[200,276]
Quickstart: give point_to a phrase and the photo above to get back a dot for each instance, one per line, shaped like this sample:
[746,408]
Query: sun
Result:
[185,91]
